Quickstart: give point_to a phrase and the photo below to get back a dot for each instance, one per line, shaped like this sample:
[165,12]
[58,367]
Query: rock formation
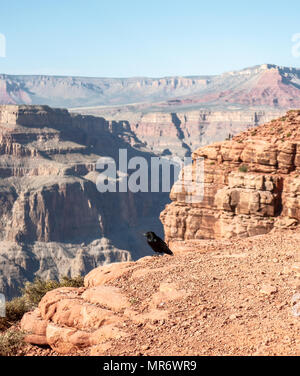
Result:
[251,185]
[171,115]
[212,298]
[212,293]
[180,133]
[69,319]
[264,85]
[53,220]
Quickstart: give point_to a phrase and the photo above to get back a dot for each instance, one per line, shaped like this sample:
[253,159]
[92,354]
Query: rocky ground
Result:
[285,128]
[220,297]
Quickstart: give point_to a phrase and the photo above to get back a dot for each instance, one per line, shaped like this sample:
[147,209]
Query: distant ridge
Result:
[265,85]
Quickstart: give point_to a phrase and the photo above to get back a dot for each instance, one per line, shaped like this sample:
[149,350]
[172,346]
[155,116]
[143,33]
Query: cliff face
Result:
[179,115]
[180,133]
[251,184]
[53,220]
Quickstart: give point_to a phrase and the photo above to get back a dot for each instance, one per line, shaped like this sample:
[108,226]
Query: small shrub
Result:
[289,134]
[72,282]
[243,168]
[34,291]
[11,342]
[15,309]
[32,294]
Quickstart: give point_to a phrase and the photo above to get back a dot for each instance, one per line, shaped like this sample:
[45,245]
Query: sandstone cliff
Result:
[53,221]
[180,133]
[251,185]
[233,295]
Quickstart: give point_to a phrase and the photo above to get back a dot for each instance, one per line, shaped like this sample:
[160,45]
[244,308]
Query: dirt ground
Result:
[239,297]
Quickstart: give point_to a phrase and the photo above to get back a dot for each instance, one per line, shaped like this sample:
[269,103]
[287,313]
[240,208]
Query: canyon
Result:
[232,286]
[180,133]
[177,123]
[170,115]
[54,222]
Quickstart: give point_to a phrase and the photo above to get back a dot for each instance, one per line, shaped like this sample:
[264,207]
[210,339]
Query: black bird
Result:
[157,244]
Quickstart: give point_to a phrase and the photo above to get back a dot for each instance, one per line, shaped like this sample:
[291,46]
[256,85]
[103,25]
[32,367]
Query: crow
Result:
[157,244]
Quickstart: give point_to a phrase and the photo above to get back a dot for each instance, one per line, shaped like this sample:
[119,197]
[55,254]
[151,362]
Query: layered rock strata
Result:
[251,184]
[53,220]
[180,133]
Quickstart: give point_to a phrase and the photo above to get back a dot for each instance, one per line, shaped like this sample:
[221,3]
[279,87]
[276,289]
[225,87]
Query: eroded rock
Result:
[250,183]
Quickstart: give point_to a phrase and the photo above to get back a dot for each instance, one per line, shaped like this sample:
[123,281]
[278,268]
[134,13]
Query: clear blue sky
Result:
[120,38]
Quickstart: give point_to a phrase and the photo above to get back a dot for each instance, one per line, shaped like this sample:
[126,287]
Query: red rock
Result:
[66,340]
[107,332]
[34,327]
[249,187]
[36,339]
[168,292]
[106,296]
[103,274]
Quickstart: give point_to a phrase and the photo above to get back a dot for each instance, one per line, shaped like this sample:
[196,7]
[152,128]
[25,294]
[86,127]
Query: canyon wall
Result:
[53,220]
[251,185]
[180,133]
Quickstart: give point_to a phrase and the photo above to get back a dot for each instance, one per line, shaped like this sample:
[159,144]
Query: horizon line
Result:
[267,65]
